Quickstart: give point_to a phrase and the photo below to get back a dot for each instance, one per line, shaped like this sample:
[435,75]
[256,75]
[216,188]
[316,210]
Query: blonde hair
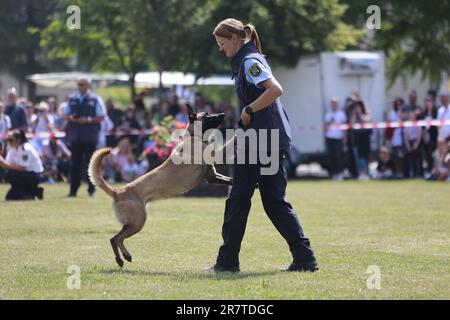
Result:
[226,28]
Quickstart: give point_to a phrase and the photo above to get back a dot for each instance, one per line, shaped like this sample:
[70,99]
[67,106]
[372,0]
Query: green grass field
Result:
[401,227]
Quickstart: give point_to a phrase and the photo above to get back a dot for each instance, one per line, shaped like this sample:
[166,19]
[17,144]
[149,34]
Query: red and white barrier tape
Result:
[62,134]
[377,125]
[356,126]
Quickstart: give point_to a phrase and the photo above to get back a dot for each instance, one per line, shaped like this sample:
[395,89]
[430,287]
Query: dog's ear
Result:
[192,114]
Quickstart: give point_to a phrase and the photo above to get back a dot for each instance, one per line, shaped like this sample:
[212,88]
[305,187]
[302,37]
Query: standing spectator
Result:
[140,109]
[412,106]
[350,103]
[106,127]
[413,161]
[429,137]
[43,121]
[116,116]
[24,168]
[334,138]
[397,138]
[30,110]
[174,107]
[444,114]
[5,125]
[56,159]
[60,121]
[15,112]
[53,107]
[182,115]
[130,123]
[360,143]
[84,112]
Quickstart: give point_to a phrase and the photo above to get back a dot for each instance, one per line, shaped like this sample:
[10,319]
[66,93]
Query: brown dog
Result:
[166,181]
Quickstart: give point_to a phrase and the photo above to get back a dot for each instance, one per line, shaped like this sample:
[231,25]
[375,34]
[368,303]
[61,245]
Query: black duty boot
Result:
[302,267]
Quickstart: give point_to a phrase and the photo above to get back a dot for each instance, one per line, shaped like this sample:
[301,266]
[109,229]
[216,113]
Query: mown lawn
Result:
[402,227]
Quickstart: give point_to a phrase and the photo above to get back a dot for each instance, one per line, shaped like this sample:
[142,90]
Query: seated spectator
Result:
[441,169]
[125,163]
[385,167]
[24,168]
[56,159]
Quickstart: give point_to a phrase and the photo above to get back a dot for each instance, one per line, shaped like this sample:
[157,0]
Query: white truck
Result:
[309,87]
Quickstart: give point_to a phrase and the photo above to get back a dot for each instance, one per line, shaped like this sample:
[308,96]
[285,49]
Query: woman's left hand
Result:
[245,117]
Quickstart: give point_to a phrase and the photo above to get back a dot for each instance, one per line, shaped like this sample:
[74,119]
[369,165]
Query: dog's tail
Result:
[95,172]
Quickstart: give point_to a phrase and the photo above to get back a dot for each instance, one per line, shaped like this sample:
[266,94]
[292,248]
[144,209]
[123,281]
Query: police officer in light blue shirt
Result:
[258,94]
[83,112]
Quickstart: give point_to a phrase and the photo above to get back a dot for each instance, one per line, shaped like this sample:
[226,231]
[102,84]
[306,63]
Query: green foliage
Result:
[415,35]
[20,52]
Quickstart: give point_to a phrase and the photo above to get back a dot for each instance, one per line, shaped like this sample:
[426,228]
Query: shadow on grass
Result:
[189,275]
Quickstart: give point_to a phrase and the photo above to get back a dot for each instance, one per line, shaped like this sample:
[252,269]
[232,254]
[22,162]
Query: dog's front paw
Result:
[127,257]
[119,262]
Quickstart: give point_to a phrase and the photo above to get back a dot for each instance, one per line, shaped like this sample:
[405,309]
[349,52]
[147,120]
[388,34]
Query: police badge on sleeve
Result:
[255,70]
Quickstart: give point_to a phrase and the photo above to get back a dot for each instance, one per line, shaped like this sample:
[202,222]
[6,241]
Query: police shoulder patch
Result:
[255,70]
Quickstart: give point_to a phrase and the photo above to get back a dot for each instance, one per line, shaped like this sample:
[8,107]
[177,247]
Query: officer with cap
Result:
[258,91]
[83,112]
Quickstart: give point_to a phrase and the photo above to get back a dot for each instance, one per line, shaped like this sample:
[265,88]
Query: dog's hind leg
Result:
[115,248]
[128,231]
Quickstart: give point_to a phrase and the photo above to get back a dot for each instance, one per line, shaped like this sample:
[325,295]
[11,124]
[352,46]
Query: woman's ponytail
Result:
[250,30]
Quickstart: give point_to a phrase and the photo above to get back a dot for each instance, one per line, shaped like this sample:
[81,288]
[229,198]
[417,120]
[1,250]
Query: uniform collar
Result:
[82,96]
[236,61]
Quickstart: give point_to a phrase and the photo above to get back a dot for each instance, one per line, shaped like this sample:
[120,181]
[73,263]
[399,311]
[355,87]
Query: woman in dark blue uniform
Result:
[258,92]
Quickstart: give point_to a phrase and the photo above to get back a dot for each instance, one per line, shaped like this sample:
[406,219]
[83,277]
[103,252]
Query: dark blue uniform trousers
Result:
[272,189]
[81,155]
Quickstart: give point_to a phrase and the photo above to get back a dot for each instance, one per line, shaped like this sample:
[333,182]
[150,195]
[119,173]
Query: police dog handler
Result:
[24,168]
[258,91]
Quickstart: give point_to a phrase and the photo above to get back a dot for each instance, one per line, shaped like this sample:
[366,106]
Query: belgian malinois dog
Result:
[167,180]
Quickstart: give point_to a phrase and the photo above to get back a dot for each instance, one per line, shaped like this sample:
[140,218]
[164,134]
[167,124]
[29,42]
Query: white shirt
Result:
[42,125]
[397,140]
[5,125]
[444,114]
[337,117]
[25,156]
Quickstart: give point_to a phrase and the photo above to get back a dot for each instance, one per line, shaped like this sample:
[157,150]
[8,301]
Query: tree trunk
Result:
[160,88]
[132,82]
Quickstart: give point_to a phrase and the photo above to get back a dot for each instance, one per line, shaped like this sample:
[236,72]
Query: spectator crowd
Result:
[406,152]
[128,131]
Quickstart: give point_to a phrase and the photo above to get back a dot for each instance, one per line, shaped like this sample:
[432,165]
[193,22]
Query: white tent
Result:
[67,80]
